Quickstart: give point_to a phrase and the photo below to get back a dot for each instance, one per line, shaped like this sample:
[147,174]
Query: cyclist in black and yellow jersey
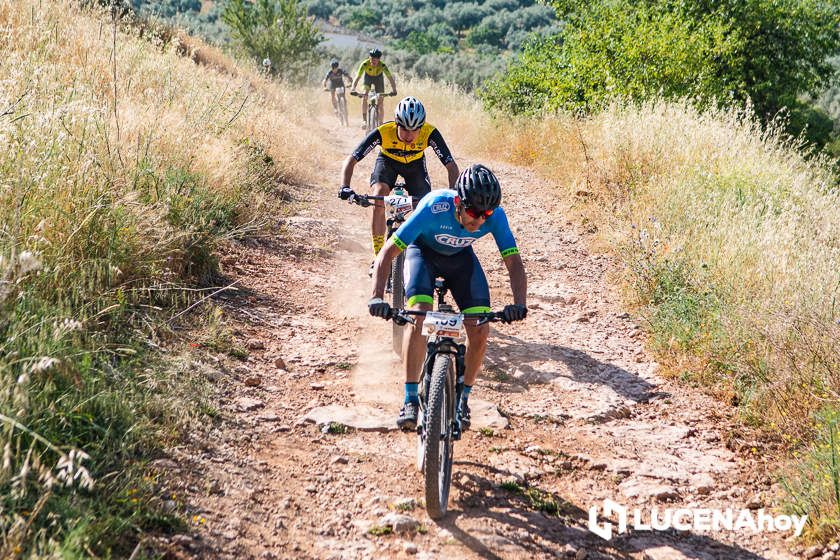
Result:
[374,70]
[335,76]
[403,143]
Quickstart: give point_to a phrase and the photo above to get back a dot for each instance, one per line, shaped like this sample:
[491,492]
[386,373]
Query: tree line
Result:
[772,55]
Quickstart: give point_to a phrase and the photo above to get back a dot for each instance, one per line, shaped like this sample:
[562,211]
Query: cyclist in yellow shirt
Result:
[373,70]
[402,145]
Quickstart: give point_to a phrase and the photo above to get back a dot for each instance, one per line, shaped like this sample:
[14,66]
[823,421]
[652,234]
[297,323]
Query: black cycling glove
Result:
[345,193]
[379,308]
[514,312]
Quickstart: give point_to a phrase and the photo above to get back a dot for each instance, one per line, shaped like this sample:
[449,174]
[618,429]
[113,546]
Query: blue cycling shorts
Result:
[462,273]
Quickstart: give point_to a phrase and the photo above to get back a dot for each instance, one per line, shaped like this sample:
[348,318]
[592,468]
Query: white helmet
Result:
[410,113]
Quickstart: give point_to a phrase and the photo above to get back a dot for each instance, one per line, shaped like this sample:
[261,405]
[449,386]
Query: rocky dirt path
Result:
[587,417]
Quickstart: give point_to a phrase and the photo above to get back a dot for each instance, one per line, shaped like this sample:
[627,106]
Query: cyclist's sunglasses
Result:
[476,214]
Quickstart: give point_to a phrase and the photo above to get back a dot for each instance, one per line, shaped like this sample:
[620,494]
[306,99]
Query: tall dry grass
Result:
[728,242]
[123,165]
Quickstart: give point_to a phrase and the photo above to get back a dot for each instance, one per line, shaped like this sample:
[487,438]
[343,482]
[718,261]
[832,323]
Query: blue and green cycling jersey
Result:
[433,225]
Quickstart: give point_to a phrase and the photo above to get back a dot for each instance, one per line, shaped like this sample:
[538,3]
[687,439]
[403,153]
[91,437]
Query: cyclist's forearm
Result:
[452,170]
[347,170]
[383,267]
[518,279]
[393,83]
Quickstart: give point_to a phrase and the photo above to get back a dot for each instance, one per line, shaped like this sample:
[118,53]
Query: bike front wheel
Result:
[437,434]
[373,118]
[342,110]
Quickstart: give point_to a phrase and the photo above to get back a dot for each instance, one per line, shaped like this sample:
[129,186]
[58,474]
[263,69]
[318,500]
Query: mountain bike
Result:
[398,205]
[440,388]
[341,106]
[372,108]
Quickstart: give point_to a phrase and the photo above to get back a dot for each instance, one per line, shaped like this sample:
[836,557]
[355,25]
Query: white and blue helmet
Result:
[410,113]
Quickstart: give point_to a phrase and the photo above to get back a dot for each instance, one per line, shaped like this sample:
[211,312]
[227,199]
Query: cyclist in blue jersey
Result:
[437,239]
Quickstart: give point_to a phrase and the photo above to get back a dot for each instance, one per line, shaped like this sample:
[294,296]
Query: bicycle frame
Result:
[440,392]
[373,101]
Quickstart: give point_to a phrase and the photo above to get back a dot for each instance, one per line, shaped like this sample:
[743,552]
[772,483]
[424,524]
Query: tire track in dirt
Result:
[589,417]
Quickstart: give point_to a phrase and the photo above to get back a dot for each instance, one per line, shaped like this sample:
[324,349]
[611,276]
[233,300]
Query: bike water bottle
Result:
[399,191]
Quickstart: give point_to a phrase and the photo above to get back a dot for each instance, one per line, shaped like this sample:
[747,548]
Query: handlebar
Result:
[357,94]
[365,200]
[403,316]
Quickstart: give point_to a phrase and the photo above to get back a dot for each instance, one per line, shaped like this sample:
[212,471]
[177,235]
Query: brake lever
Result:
[401,319]
[489,319]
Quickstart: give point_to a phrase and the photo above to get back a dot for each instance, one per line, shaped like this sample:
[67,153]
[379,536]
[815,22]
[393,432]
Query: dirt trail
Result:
[589,416]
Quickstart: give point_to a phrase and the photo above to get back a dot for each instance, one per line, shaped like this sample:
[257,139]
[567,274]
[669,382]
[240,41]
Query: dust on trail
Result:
[589,416]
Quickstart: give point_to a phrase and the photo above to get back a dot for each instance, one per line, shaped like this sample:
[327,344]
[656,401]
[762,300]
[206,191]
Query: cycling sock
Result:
[411,393]
[378,242]
[466,394]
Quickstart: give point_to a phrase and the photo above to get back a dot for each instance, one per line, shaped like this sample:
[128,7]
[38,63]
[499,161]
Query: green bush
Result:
[274,29]
[714,51]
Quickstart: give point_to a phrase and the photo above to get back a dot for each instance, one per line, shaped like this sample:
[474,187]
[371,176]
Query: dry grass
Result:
[728,241]
[124,164]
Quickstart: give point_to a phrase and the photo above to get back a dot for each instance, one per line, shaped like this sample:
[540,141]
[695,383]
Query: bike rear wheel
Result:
[437,434]
[397,299]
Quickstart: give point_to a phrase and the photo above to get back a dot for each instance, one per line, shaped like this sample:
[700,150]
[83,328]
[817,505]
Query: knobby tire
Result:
[342,111]
[373,118]
[397,299]
[438,451]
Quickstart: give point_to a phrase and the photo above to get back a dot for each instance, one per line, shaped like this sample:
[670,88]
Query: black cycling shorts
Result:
[415,174]
[378,82]
[335,84]
[462,273]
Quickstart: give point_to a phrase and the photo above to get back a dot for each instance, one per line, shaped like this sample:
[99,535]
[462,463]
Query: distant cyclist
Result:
[403,143]
[335,76]
[437,238]
[373,69]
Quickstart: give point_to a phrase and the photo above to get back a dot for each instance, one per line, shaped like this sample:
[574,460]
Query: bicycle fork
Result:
[458,351]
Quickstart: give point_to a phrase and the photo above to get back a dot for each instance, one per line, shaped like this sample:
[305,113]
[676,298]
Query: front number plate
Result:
[443,324]
[396,204]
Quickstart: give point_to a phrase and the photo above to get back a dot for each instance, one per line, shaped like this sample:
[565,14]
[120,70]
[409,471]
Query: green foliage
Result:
[464,43]
[463,15]
[274,29]
[380,530]
[436,39]
[710,50]
[337,428]
[468,70]
[511,486]
[188,14]
[360,18]
[487,33]
[814,485]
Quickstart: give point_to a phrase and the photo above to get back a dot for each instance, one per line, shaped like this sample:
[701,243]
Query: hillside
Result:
[126,167]
[182,295]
